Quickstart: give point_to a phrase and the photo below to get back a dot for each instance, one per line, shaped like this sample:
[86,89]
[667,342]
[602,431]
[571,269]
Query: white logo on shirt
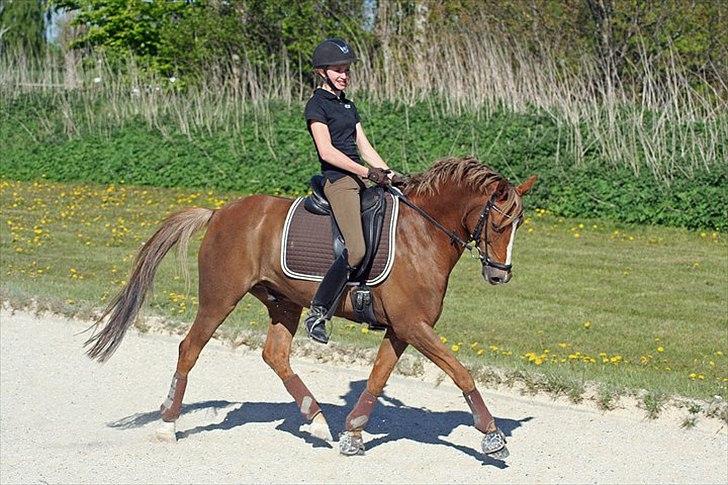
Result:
[347,106]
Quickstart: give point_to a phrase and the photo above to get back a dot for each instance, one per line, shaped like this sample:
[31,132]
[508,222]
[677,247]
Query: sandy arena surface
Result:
[67,419]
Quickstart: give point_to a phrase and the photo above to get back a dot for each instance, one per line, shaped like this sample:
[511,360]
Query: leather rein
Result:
[474,241]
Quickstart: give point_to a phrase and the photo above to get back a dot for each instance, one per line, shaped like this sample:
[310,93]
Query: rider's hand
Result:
[397,179]
[378,176]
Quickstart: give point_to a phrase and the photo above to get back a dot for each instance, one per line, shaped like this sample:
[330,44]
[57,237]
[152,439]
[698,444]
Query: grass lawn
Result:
[629,307]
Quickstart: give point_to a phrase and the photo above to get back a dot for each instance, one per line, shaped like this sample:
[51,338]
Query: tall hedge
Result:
[277,157]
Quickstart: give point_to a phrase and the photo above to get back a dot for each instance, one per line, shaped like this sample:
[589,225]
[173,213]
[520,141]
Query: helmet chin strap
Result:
[329,81]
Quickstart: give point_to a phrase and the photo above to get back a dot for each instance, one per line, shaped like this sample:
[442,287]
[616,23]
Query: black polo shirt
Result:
[340,115]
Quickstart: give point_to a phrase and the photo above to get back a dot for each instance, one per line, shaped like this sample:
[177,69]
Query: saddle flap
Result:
[371,198]
[372,217]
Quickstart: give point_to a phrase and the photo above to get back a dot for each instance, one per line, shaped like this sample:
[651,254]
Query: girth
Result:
[373,207]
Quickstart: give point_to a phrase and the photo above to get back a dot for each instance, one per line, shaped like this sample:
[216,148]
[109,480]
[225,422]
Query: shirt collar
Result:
[326,94]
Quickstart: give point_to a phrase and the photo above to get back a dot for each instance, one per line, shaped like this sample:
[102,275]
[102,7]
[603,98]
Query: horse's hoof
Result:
[501,454]
[351,444]
[166,432]
[494,445]
[319,428]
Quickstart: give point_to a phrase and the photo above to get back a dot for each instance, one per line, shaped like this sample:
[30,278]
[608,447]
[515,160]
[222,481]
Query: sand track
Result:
[64,418]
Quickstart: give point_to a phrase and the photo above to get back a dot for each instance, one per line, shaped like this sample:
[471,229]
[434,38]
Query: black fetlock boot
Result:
[327,299]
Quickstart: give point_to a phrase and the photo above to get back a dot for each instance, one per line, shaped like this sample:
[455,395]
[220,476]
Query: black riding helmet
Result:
[331,52]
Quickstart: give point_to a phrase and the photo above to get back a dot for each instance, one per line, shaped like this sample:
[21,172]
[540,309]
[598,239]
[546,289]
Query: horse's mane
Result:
[467,171]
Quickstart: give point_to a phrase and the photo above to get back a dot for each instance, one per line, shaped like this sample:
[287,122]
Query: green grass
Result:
[628,307]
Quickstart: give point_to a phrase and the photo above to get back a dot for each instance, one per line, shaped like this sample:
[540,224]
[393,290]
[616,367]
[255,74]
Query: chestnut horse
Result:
[240,254]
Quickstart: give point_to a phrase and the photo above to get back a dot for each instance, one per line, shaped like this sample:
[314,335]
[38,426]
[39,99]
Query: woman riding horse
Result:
[469,206]
[458,204]
[335,127]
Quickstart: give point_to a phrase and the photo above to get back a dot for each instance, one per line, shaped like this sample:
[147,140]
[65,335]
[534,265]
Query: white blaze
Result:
[509,251]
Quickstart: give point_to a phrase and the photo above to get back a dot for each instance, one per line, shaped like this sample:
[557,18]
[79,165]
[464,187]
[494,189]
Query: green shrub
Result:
[275,155]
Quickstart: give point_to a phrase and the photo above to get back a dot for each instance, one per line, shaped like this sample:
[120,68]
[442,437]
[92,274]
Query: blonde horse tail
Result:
[177,229]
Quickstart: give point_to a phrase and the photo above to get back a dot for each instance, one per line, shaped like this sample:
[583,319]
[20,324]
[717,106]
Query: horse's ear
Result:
[527,185]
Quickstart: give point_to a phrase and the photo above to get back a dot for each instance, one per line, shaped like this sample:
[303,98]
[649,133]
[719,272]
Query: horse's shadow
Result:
[392,418]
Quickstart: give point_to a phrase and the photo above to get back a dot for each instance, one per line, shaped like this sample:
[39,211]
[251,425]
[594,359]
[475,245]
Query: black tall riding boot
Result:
[327,299]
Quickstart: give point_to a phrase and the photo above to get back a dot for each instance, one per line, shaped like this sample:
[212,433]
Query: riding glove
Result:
[378,176]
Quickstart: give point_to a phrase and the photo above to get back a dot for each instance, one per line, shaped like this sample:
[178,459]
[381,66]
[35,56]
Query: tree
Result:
[22,27]
[118,28]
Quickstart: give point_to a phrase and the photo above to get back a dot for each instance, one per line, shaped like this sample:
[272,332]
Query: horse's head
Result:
[495,230]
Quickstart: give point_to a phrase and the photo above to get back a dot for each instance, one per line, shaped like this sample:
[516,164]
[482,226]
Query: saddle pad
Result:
[307,250]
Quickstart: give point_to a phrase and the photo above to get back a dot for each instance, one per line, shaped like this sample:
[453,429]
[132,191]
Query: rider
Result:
[334,125]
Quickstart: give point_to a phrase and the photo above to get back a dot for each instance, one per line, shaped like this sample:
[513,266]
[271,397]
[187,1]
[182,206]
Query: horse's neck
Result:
[448,207]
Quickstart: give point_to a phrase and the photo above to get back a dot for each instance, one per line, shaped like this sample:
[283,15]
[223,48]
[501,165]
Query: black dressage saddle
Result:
[372,216]
[373,207]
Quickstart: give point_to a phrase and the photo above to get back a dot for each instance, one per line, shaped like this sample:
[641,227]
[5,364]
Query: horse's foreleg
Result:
[276,353]
[424,339]
[390,350]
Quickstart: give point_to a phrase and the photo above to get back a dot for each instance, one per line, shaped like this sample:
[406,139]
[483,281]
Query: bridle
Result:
[473,243]
[478,231]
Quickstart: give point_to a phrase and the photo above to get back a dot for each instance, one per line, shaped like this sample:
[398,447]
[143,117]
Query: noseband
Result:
[474,241]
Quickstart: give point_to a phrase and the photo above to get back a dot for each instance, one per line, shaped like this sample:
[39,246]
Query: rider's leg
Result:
[343,196]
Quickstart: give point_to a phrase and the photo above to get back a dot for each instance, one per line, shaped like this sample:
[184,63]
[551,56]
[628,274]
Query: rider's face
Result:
[339,75]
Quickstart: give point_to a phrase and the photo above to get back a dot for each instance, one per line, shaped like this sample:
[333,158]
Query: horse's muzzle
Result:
[496,276]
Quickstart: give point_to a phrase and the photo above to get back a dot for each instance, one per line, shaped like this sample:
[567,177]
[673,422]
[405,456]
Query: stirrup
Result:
[316,325]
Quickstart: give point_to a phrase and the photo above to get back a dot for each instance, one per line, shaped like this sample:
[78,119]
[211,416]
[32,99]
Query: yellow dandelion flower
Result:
[660,349]
[455,348]
[587,324]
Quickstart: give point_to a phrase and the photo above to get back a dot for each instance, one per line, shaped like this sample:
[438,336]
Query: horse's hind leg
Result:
[276,353]
[424,339]
[390,350]
[220,291]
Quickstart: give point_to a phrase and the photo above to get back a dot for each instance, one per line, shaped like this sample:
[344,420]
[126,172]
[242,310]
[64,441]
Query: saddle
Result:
[372,216]
[312,240]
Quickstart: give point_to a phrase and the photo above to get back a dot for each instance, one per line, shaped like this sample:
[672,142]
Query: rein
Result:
[474,241]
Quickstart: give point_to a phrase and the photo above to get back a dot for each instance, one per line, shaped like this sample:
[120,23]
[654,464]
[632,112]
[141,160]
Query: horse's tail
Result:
[124,308]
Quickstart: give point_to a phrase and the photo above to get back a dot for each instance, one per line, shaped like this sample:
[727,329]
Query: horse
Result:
[458,204]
